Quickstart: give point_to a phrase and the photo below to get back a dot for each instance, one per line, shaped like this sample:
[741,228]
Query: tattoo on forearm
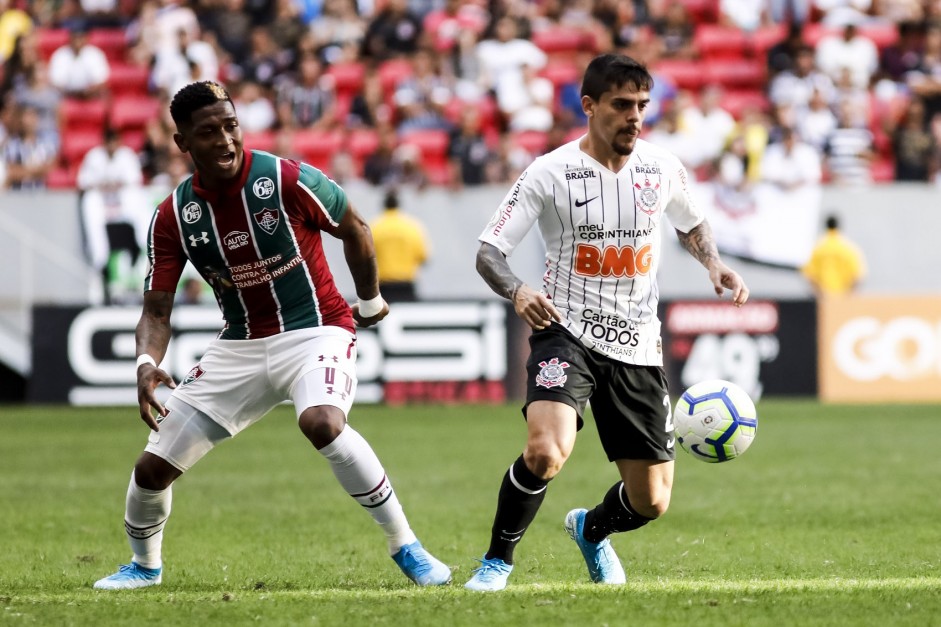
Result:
[493,267]
[700,243]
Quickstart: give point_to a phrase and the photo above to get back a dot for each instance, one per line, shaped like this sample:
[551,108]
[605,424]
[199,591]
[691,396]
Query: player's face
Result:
[214,140]
[617,117]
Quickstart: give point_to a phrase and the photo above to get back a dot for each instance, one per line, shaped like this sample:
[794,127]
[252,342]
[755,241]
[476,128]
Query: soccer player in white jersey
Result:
[599,202]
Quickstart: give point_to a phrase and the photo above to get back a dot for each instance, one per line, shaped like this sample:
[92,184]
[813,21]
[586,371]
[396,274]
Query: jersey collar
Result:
[234,187]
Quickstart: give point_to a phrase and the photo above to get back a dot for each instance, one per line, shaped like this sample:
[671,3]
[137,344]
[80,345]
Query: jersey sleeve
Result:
[681,209]
[317,196]
[518,211]
[166,255]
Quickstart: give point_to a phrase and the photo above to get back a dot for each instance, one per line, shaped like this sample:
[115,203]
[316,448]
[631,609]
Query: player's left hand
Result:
[723,277]
[368,322]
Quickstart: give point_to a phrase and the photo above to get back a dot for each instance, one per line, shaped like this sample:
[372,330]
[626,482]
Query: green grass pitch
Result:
[832,517]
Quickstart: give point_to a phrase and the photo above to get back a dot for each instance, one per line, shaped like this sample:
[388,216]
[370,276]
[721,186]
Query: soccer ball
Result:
[715,421]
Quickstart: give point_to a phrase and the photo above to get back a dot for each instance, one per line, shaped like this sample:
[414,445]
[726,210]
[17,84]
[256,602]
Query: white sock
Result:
[145,515]
[361,474]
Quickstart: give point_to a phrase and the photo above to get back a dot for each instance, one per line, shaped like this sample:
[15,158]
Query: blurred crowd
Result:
[462,93]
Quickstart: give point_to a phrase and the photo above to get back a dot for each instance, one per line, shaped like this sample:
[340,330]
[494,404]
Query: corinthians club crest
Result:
[267,219]
[552,373]
[647,197]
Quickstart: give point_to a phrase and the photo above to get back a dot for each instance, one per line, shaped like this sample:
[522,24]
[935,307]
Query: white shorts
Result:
[238,381]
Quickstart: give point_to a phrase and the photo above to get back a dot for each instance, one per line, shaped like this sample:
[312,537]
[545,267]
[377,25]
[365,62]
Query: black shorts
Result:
[631,404]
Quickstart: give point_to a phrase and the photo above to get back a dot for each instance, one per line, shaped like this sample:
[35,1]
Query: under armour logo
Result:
[330,390]
[196,240]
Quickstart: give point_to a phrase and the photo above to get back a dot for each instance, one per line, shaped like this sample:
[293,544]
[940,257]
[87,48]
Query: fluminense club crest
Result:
[552,373]
[267,219]
[192,375]
[647,197]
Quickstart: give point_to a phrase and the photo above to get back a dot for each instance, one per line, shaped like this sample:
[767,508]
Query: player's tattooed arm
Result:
[533,308]
[700,243]
[493,267]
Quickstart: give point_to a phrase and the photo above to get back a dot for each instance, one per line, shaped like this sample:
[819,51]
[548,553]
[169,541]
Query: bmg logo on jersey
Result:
[617,261]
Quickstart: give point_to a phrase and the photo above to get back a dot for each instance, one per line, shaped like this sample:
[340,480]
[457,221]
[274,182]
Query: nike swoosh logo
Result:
[582,203]
[671,442]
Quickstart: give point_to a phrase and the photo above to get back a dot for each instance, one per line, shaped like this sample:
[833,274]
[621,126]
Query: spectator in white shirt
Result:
[114,210]
[529,108]
[795,87]
[708,124]
[79,69]
[791,164]
[502,59]
[848,51]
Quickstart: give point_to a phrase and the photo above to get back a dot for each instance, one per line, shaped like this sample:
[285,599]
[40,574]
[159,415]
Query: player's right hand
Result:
[148,378]
[534,308]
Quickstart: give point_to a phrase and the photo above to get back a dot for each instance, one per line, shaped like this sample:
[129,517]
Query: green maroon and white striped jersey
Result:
[601,230]
[258,244]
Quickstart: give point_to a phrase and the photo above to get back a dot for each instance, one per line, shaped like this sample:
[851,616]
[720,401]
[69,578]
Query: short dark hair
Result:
[195,96]
[833,222]
[611,71]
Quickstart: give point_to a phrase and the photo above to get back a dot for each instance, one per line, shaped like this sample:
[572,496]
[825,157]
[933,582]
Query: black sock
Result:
[612,515]
[521,494]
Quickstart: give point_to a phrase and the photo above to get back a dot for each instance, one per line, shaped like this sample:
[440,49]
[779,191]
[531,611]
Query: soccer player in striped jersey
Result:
[251,223]
[599,203]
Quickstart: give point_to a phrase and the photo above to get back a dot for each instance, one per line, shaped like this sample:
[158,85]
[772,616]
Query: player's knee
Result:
[652,505]
[321,425]
[544,458]
[154,473]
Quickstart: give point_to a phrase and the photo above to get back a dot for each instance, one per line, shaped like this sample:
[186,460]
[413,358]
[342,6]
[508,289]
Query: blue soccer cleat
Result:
[421,566]
[130,576]
[602,561]
[491,576]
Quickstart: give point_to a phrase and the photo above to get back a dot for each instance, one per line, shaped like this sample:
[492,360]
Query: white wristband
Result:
[146,359]
[371,307]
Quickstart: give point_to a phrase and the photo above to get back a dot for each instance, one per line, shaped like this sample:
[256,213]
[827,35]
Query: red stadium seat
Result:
[702,11]
[559,40]
[736,73]
[392,72]
[533,142]
[348,77]
[126,78]
[737,102]
[64,177]
[77,142]
[766,37]
[265,140]
[684,74]
[882,170]
[134,139]
[486,108]
[112,41]
[133,111]
[574,133]
[720,42]
[48,40]
[432,144]
[317,147]
[83,114]
[561,72]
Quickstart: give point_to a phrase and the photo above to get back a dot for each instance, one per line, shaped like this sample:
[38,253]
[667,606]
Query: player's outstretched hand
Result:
[148,378]
[534,308]
[368,322]
[723,277]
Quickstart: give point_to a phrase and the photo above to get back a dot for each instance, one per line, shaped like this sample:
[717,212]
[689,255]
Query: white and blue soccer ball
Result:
[715,421]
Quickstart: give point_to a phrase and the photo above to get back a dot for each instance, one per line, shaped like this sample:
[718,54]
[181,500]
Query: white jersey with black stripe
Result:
[602,236]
